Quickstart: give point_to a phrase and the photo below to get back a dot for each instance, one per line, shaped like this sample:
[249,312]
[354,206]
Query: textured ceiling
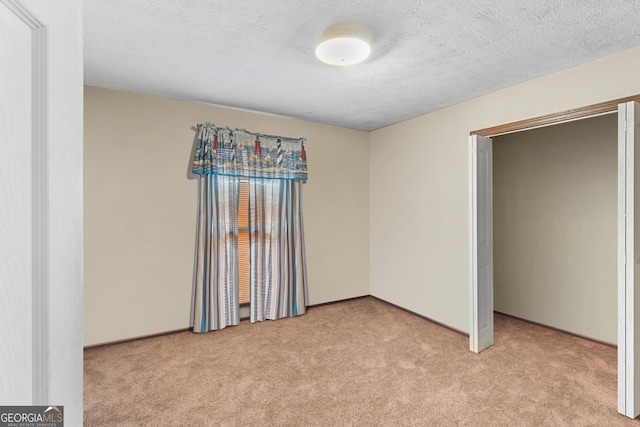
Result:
[259,54]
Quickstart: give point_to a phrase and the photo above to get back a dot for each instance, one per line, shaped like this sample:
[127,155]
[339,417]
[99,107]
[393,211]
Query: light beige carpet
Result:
[356,363]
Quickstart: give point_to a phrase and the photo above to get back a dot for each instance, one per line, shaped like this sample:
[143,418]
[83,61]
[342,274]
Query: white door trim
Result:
[39,197]
[42,319]
[628,326]
[481,243]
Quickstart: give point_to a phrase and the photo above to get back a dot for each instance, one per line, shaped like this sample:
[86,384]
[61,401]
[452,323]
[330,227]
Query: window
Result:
[243,243]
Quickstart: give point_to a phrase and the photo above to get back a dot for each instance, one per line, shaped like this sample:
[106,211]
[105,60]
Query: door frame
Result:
[481,243]
[39,166]
[628,377]
[49,348]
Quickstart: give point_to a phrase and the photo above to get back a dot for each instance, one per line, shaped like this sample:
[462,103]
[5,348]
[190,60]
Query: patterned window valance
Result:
[222,151]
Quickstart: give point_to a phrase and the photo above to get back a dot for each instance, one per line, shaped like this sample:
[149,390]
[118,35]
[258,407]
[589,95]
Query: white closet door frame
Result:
[481,243]
[628,273]
[24,320]
[41,204]
[481,283]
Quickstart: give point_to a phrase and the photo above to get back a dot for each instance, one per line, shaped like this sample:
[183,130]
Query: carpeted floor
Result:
[355,363]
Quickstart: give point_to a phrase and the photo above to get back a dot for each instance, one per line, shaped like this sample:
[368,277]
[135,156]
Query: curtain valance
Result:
[222,151]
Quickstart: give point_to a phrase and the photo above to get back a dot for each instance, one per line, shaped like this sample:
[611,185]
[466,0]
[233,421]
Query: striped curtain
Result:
[215,299]
[278,277]
[275,167]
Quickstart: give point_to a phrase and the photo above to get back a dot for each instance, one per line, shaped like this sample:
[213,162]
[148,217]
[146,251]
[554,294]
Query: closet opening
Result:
[619,240]
[555,226]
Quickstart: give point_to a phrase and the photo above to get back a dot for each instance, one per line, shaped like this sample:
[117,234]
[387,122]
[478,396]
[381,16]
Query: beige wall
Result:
[139,217]
[140,209]
[419,183]
[555,226]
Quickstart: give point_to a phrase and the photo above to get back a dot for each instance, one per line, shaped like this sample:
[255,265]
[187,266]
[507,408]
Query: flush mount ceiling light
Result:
[344,44]
[343,51]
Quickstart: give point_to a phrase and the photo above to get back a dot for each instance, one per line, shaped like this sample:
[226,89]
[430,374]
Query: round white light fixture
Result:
[343,50]
[345,43]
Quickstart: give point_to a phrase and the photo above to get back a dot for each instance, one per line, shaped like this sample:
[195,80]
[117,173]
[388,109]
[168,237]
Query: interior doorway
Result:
[481,239]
